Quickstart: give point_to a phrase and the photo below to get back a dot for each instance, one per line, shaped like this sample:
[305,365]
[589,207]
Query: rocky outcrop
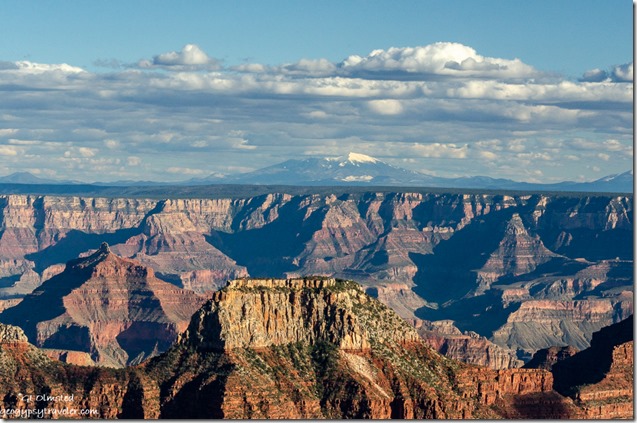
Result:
[34,386]
[112,308]
[78,358]
[600,379]
[263,313]
[558,323]
[468,347]
[319,347]
[4,304]
[12,334]
[548,357]
[517,254]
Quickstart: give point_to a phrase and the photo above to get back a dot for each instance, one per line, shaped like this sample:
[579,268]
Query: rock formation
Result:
[34,386]
[548,357]
[601,378]
[474,258]
[468,347]
[303,348]
[112,308]
[517,254]
[319,347]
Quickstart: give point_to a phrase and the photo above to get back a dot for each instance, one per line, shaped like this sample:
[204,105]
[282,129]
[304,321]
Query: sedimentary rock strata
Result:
[476,259]
[112,308]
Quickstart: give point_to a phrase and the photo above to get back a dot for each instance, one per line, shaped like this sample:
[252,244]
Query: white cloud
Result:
[386,107]
[254,115]
[623,73]
[443,58]
[186,171]
[133,161]
[619,73]
[8,131]
[36,68]
[87,152]
[488,155]
[594,75]
[439,150]
[8,151]
[603,156]
[189,57]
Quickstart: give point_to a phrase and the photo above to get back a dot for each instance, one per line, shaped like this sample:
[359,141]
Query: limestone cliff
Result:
[318,347]
[558,323]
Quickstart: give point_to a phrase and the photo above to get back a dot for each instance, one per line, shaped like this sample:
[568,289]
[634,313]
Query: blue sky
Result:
[535,90]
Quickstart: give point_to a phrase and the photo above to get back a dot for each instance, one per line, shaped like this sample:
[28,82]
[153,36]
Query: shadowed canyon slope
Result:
[113,309]
[295,348]
[527,272]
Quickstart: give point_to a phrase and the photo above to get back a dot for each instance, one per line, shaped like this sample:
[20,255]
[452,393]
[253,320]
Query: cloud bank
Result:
[441,108]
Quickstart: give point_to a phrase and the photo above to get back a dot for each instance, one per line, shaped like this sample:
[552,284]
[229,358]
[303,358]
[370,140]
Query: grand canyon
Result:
[320,302]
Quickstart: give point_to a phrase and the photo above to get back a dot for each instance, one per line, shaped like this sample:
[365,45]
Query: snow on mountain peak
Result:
[361,158]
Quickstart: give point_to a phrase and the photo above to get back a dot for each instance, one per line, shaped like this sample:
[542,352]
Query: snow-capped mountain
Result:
[356,169]
[353,169]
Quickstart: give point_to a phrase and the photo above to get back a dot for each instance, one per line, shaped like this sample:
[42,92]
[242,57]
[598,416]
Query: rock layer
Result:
[370,363]
[468,347]
[523,248]
[601,378]
[308,348]
[115,309]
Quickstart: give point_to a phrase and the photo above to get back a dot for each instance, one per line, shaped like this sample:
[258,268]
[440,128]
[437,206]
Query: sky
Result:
[538,91]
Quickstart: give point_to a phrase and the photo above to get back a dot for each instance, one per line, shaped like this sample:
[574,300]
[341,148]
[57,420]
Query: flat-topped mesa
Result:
[293,283]
[260,313]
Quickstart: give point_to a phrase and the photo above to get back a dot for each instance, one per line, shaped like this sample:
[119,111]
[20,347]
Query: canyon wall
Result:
[346,355]
[476,259]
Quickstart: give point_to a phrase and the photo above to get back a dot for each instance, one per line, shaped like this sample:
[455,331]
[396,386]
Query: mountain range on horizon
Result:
[355,169]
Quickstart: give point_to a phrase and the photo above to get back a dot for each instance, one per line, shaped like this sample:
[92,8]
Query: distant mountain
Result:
[355,169]
[621,182]
[29,178]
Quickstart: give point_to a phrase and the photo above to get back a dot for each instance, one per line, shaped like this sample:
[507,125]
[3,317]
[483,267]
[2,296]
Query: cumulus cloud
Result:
[190,57]
[619,73]
[594,75]
[36,68]
[443,58]
[622,73]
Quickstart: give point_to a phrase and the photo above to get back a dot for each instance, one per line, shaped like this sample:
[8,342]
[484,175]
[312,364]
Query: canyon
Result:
[306,348]
[513,273]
